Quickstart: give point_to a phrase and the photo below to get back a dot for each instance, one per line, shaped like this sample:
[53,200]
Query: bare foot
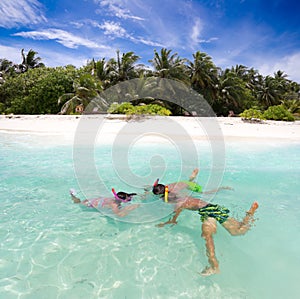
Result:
[73,196]
[210,271]
[194,174]
[253,208]
[75,199]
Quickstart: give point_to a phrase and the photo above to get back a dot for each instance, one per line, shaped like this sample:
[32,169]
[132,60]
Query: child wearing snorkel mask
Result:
[210,214]
[175,188]
[114,203]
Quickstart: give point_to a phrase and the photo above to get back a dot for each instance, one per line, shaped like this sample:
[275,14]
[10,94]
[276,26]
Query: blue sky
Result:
[261,34]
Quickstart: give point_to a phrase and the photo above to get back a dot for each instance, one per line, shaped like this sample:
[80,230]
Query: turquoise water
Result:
[51,248]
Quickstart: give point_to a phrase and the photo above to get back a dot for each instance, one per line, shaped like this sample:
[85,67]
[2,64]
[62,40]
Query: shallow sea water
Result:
[51,248]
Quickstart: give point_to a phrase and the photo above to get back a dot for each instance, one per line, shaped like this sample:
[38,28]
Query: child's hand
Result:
[173,222]
[147,188]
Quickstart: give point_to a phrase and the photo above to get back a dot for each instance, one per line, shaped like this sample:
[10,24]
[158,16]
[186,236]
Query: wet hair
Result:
[158,189]
[125,196]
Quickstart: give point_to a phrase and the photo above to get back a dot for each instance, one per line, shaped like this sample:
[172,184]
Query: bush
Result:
[252,113]
[37,90]
[278,113]
[124,108]
[128,109]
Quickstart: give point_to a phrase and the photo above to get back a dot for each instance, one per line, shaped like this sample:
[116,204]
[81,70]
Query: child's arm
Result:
[173,219]
[194,174]
[125,210]
[218,189]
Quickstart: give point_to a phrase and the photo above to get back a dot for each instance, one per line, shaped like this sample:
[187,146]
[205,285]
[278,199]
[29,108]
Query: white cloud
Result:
[117,9]
[289,64]
[146,42]
[77,24]
[21,12]
[54,58]
[113,28]
[65,38]
[109,27]
[11,53]
[196,31]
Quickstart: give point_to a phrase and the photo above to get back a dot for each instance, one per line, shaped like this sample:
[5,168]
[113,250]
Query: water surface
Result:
[51,248]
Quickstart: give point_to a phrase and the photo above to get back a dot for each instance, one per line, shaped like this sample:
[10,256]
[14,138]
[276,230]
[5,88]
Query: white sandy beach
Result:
[110,126]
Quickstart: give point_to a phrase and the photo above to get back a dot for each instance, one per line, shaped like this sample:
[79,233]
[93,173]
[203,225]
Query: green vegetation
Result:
[147,109]
[252,113]
[32,88]
[278,112]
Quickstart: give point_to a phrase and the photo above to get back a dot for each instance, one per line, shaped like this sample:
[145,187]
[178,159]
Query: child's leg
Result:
[236,228]
[74,198]
[209,227]
[194,174]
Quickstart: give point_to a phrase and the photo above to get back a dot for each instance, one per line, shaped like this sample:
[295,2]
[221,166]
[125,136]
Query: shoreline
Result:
[109,126]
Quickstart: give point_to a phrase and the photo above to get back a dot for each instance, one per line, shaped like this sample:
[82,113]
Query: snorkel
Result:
[155,183]
[166,193]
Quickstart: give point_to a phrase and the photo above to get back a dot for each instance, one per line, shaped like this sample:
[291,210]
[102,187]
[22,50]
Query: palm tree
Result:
[280,75]
[269,93]
[253,80]
[204,76]
[233,94]
[292,106]
[100,70]
[30,61]
[85,90]
[123,68]
[283,84]
[5,65]
[169,66]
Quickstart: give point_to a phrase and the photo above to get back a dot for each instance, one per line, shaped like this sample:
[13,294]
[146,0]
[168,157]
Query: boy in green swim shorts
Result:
[210,214]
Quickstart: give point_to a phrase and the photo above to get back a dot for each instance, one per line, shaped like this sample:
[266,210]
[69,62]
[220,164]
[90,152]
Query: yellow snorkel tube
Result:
[166,193]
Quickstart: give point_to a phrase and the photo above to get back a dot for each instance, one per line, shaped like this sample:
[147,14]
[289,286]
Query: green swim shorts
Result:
[215,211]
[193,186]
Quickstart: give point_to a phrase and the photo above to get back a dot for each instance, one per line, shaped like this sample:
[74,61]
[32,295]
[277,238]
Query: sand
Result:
[109,127]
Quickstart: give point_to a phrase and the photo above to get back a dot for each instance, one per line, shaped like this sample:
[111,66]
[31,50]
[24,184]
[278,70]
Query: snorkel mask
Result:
[118,198]
[166,193]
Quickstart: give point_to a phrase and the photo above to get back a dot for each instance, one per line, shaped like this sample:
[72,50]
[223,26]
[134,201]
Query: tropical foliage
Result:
[278,112]
[146,109]
[252,113]
[32,88]
[36,91]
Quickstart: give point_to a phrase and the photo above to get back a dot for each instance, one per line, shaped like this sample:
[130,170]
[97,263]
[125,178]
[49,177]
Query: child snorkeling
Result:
[113,203]
[190,184]
[210,214]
